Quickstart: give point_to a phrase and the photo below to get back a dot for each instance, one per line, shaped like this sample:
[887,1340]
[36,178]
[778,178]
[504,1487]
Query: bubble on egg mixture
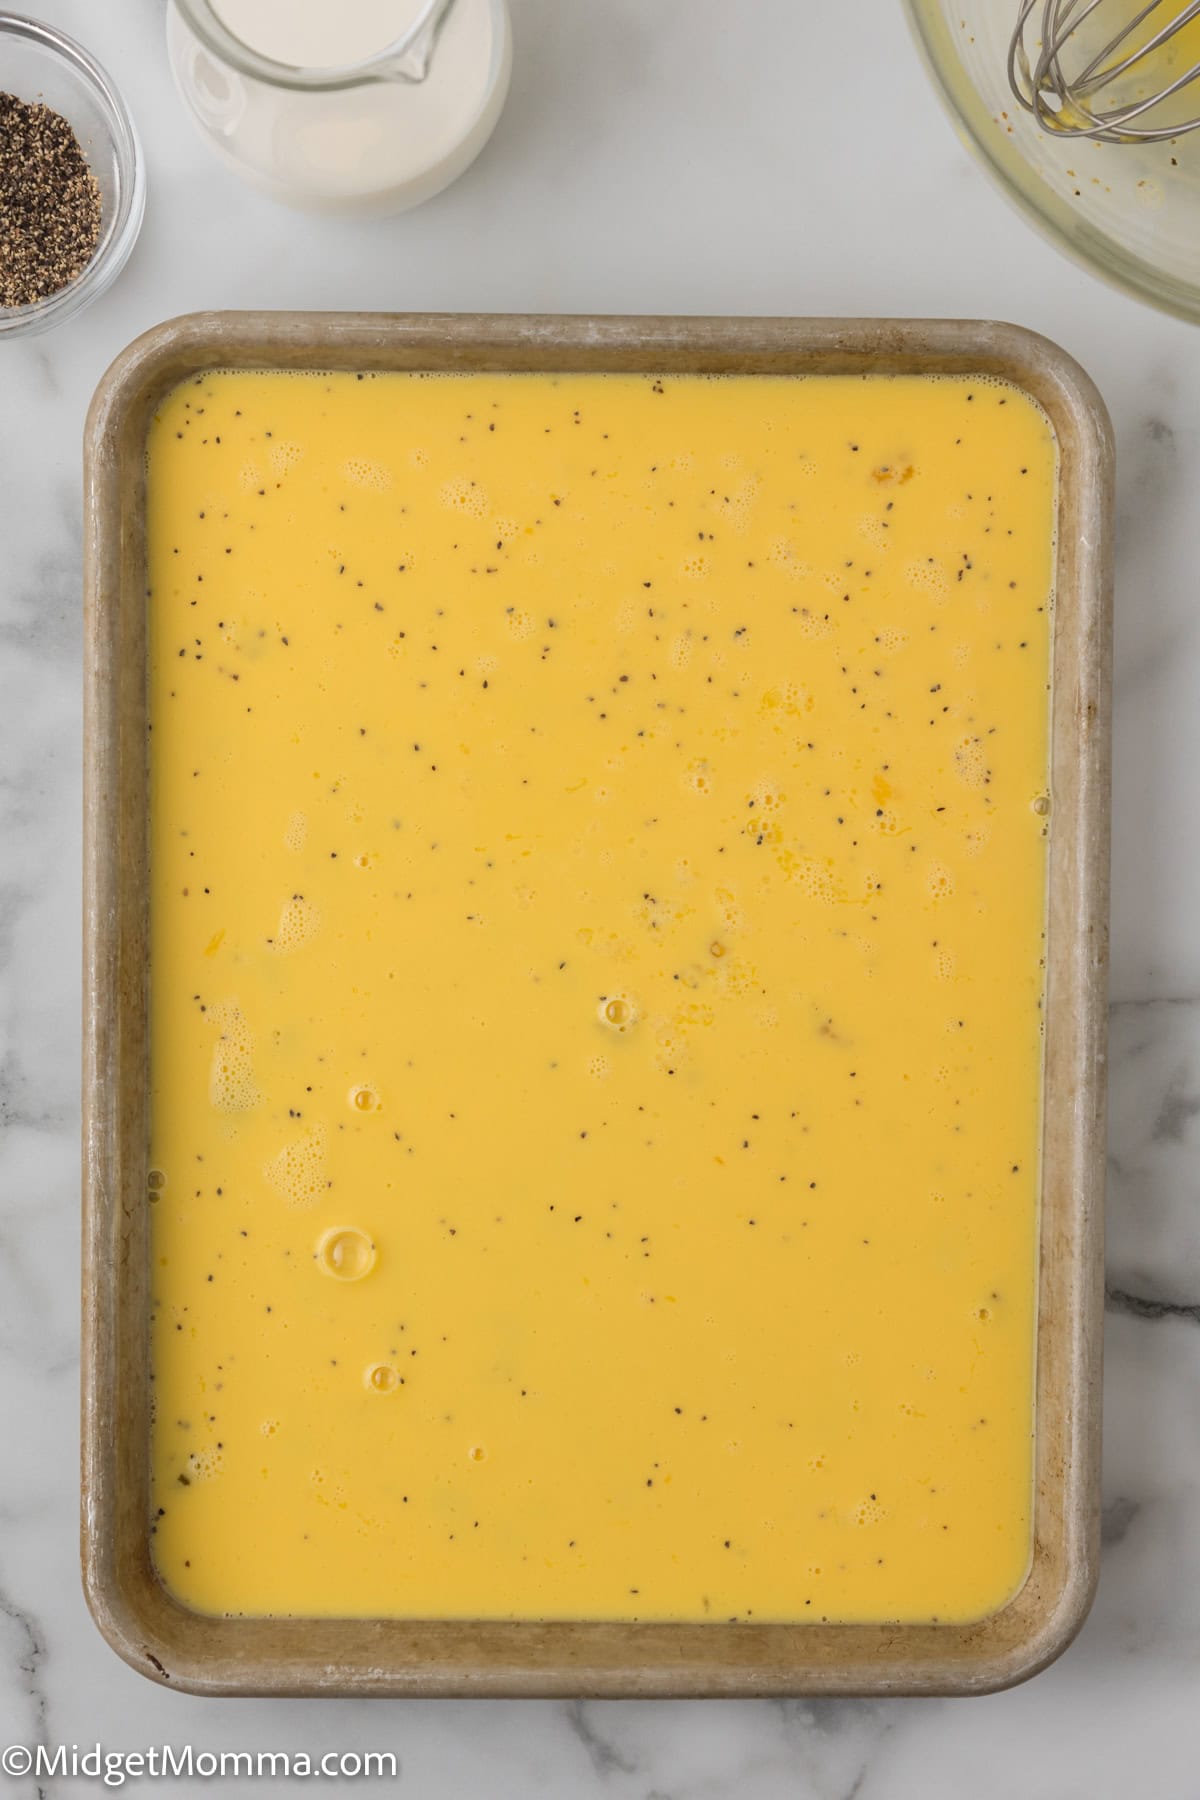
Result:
[299,923]
[782,554]
[381,1378]
[617,1011]
[788,700]
[928,577]
[939,882]
[463,496]
[364,1098]
[681,650]
[297,1171]
[763,829]
[361,472]
[728,908]
[811,624]
[868,1512]
[202,1465]
[970,763]
[737,977]
[737,505]
[283,457]
[765,795]
[295,836]
[345,1253]
[873,531]
[231,1084]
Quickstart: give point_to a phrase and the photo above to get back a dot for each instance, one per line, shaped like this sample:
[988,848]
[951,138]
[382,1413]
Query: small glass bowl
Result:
[39,63]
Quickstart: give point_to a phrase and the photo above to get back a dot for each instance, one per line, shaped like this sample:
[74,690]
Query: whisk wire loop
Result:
[1070,104]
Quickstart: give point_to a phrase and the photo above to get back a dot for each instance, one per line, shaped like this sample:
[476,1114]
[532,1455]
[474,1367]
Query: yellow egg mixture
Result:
[598,882]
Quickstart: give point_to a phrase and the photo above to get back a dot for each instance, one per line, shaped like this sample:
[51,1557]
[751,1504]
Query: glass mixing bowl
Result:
[1129,212]
[39,63]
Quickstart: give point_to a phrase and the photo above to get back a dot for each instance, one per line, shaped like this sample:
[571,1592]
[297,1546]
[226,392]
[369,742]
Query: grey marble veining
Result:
[650,160]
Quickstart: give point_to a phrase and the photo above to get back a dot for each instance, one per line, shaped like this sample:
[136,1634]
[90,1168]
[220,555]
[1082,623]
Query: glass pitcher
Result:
[377,135]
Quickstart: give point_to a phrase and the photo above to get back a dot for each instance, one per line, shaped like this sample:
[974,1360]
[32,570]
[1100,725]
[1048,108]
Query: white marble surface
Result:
[652,158]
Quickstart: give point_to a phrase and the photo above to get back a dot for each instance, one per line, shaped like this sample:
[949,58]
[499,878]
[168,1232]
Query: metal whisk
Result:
[1083,102]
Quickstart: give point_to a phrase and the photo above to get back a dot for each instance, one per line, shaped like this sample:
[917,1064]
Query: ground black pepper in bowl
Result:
[49,203]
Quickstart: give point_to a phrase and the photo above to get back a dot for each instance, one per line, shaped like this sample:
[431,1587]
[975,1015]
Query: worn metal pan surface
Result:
[394,1656]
